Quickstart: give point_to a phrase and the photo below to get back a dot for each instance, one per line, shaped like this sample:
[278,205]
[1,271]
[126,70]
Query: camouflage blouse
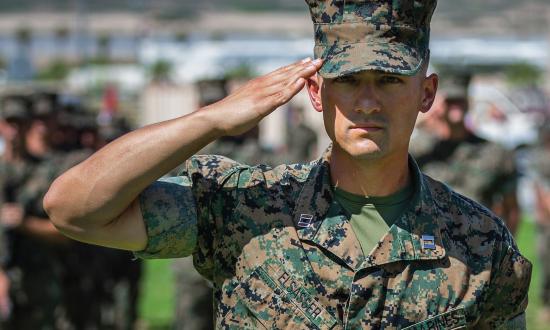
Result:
[282,254]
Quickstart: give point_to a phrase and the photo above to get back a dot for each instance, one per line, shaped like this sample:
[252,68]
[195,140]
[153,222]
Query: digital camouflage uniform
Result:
[107,279]
[28,266]
[474,167]
[12,177]
[193,294]
[477,168]
[37,289]
[281,253]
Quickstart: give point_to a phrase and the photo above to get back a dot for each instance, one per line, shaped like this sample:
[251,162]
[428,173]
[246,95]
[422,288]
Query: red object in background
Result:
[110,100]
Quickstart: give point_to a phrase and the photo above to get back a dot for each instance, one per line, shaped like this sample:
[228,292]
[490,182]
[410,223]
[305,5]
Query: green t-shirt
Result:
[372,217]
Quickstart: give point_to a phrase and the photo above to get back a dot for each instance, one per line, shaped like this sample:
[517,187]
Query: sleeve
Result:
[507,297]
[170,216]
[176,210]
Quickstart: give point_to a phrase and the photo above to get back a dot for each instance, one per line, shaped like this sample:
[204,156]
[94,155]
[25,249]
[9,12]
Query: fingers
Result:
[293,82]
[272,82]
[294,76]
[288,78]
[292,66]
[306,64]
[309,69]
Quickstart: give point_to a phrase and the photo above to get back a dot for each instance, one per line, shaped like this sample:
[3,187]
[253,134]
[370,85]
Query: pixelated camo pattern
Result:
[282,254]
[387,35]
[481,170]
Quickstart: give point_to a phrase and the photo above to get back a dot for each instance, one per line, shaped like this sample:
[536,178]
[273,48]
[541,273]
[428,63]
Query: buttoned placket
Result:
[403,242]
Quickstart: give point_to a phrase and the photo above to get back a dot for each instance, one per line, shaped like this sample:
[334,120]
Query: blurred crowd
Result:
[449,148]
[48,281]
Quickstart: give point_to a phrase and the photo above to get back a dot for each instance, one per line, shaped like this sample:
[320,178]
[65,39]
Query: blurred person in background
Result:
[14,110]
[33,265]
[301,139]
[244,147]
[193,292]
[430,129]
[107,279]
[540,166]
[475,167]
[119,271]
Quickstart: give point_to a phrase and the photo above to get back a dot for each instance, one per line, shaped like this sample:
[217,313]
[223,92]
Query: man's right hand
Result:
[243,109]
[97,200]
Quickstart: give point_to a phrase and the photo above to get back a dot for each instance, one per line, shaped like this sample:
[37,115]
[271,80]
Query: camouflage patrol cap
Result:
[15,107]
[385,35]
[454,84]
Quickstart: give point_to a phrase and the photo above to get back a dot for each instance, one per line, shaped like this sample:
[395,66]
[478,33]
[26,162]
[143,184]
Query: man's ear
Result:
[314,91]
[429,90]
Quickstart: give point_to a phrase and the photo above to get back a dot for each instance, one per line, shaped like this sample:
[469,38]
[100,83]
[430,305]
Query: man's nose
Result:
[367,100]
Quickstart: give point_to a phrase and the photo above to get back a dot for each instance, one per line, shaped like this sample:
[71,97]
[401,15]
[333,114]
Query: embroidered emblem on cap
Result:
[428,242]
[305,220]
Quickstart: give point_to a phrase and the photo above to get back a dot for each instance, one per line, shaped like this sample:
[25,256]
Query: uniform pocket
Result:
[279,302]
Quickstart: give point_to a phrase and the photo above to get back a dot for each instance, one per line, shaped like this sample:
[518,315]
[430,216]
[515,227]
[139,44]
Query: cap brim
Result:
[380,54]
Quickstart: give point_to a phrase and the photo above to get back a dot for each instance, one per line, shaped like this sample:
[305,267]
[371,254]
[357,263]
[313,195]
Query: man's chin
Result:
[369,155]
[370,152]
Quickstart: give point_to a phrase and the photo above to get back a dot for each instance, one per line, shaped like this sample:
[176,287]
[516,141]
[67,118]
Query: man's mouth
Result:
[368,127]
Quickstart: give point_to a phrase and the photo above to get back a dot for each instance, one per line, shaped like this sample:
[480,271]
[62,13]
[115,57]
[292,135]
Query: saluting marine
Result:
[358,239]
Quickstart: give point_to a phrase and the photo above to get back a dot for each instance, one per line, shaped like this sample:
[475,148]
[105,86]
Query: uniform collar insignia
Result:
[405,239]
[428,242]
[305,220]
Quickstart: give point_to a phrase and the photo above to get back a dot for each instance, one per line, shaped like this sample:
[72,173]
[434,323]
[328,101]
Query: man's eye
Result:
[390,80]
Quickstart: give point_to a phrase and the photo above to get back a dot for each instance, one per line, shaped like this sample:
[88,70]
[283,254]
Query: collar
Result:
[416,235]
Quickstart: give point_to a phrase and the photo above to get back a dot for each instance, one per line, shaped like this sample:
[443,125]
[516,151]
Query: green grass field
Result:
[156,305]
[157,300]
[526,240]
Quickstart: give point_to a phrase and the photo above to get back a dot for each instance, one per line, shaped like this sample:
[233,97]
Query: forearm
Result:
[96,201]
[98,190]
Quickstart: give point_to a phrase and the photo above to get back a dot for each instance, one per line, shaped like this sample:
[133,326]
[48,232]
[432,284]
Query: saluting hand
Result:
[243,109]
